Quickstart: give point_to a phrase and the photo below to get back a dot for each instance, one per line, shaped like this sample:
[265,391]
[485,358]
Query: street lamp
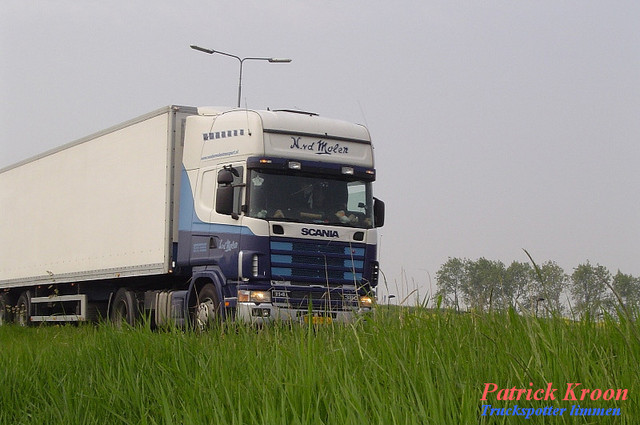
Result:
[241,60]
[389,300]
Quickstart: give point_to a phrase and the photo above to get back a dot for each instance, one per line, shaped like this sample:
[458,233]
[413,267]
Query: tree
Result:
[450,279]
[553,283]
[484,287]
[588,288]
[517,285]
[627,288]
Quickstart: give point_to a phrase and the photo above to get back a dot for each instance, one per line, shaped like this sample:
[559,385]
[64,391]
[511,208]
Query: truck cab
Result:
[277,217]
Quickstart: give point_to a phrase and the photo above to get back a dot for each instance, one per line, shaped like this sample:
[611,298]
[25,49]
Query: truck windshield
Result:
[310,199]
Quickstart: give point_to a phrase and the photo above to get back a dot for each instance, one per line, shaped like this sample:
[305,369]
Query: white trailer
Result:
[99,208]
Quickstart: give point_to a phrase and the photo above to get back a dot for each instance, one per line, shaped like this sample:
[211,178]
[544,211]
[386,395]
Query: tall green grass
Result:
[399,366]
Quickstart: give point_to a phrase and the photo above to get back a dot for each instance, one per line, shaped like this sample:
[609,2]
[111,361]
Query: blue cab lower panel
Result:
[304,261]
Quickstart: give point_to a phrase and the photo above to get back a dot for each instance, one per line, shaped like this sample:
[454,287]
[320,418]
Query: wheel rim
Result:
[205,313]
[120,313]
[21,315]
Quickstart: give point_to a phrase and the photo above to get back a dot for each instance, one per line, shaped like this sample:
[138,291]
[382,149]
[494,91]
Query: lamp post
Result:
[540,299]
[241,60]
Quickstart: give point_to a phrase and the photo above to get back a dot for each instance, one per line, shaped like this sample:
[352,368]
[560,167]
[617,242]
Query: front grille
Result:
[328,263]
[320,299]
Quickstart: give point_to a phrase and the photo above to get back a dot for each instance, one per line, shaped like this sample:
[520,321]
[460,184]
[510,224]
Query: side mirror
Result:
[225,192]
[225,177]
[378,212]
[224,200]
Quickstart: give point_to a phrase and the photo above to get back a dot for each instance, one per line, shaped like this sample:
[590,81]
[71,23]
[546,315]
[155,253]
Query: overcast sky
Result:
[498,125]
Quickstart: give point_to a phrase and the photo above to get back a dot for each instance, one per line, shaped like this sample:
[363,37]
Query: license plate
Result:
[318,320]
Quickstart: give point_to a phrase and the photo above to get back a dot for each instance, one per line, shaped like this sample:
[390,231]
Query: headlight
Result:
[260,296]
[366,301]
[254,296]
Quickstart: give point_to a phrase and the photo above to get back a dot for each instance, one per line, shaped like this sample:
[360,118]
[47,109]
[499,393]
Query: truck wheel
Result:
[124,308]
[23,310]
[207,309]
[5,309]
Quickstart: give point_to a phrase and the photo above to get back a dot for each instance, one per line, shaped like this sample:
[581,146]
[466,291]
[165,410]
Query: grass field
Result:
[399,366]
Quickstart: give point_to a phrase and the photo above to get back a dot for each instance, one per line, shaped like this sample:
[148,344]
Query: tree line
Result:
[544,289]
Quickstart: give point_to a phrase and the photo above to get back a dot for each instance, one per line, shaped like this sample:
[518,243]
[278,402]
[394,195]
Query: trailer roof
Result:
[159,111]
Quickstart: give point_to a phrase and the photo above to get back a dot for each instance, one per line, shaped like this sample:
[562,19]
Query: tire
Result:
[23,309]
[207,308]
[124,308]
[5,310]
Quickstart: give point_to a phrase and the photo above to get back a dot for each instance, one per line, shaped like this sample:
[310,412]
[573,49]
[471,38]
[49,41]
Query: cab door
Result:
[226,217]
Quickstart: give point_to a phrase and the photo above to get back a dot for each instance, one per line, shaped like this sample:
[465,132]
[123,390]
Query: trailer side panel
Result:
[98,208]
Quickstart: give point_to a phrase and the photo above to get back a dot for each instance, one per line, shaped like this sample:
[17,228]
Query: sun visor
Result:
[314,138]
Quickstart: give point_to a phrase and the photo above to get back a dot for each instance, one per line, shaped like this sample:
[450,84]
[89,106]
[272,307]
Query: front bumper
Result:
[264,313]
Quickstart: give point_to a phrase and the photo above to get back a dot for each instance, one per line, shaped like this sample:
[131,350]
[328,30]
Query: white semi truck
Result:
[194,215]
